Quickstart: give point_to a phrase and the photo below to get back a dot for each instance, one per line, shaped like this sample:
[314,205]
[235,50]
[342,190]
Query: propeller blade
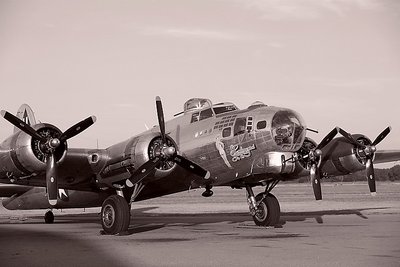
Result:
[141,173]
[350,138]
[191,166]
[77,128]
[51,180]
[328,138]
[369,166]
[22,125]
[382,136]
[160,115]
[316,181]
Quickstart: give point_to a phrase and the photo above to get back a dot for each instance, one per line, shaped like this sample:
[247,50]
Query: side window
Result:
[226,132]
[249,126]
[205,114]
[195,117]
[240,126]
[261,125]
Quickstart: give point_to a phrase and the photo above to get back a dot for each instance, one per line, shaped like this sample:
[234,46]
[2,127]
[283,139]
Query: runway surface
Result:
[348,228]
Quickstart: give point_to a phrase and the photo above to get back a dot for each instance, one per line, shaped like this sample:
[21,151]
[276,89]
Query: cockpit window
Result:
[288,130]
[240,126]
[202,115]
[195,117]
[226,132]
[223,109]
[205,114]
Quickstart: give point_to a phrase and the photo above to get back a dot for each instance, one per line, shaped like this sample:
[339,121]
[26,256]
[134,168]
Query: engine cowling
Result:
[304,152]
[341,157]
[128,156]
[28,155]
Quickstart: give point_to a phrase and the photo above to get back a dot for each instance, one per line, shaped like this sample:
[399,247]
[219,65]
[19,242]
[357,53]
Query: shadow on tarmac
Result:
[142,221]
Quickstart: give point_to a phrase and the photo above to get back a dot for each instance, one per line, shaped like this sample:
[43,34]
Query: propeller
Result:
[315,156]
[50,144]
[167,152]
[367,150]
[22,125]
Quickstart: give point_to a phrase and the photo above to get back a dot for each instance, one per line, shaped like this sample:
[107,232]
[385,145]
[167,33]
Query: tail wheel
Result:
[49,217]
[115,215]
[268,211]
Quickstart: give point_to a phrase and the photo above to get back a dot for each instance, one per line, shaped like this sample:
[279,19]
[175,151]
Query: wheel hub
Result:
[261,213]
[108,215]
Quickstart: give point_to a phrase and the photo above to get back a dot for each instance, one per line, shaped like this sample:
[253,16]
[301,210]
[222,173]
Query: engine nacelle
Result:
[341,157]
[129,155]
[22,155]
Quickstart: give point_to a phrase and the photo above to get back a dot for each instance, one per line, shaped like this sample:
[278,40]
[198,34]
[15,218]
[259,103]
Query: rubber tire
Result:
[120,212]
[271,211]
[49,217]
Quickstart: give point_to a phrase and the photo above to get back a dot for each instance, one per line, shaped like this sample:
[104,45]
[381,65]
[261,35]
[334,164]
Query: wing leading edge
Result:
[384,156]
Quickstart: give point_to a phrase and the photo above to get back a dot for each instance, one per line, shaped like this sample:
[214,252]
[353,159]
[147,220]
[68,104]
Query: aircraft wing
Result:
[383,156]
[10,190]
[80,167]
[77,171]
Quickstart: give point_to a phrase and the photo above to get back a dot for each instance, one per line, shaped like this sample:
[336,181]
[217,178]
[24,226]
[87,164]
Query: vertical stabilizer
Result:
[25,113]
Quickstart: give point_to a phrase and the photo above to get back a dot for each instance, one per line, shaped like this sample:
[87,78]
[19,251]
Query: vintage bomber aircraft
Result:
[206,145]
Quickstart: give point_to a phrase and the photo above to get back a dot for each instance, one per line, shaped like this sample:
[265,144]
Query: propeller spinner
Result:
[50,144]
[167,152]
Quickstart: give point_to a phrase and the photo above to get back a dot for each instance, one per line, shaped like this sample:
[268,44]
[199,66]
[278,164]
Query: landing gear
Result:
[268,210]
[208,192]
[49,217]
[115,215]
[264,208]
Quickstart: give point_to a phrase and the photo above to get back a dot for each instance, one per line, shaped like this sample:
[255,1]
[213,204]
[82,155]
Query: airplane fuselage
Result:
[237,147]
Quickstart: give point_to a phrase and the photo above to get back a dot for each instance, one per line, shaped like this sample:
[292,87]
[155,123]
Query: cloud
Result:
[306,9]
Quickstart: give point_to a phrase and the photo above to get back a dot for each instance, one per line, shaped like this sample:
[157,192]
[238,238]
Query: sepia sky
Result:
[335,62]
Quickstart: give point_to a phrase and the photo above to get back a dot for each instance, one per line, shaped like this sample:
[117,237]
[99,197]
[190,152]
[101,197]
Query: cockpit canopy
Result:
[201,108]
[196,104]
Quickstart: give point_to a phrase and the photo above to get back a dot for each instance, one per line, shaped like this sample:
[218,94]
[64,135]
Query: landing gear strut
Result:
[264,207]
[115,215]
[49,217]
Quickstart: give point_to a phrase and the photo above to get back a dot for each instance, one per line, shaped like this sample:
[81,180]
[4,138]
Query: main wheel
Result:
[115,215]
[49,217]
[268,211]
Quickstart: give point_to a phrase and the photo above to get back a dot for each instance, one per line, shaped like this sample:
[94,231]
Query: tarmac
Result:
[347,228]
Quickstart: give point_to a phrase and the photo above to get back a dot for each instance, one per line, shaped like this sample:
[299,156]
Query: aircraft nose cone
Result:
[288,130]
